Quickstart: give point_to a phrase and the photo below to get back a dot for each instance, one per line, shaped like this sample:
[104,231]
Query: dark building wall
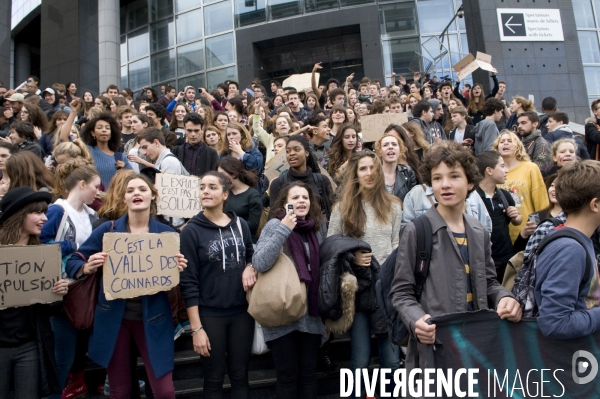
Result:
[5,33]
[539,68]
[248,61]
[69,43]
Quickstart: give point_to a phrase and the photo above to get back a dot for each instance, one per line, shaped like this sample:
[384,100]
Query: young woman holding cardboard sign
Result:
[26,332]
[145,319]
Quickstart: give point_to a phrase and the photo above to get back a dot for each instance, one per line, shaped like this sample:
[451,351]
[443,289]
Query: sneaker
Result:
[178,331]
[75,388]
[186,326]
[107,387]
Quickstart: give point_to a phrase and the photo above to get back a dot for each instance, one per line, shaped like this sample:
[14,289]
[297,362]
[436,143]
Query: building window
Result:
[249,12]
[163,66]
[320,5]
[221,75]
[584,16]
[184,5]
[219,51]
[190,58]
[163,34]
[139,73]
[138,44]
[160,9]
[195,81]
[137,14]
[284,9]
[189,26]
[218,18]
[399,19]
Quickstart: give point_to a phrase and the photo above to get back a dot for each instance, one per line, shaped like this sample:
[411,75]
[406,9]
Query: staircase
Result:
[188,381]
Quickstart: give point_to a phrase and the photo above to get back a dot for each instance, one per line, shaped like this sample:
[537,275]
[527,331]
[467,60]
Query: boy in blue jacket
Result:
[567,307]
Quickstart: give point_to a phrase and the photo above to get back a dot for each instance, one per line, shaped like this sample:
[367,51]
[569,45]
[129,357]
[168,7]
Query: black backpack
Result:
[524,288]
[394,324]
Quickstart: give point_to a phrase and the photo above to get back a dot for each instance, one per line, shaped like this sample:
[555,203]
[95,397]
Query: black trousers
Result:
[230,339]
[295,357]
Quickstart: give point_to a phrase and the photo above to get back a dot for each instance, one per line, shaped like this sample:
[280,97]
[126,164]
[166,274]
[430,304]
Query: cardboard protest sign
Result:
[301,81]
[28,273]
[276,166]
[139,264]
[470,64]
[179,195]
[373,126]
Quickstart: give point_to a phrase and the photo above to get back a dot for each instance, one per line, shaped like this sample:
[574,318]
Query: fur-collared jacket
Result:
[346,288]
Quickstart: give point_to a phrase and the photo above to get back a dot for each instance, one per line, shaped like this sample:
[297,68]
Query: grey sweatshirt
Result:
[486,133]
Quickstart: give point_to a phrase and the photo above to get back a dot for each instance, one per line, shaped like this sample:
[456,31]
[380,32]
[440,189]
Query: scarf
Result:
[302,261]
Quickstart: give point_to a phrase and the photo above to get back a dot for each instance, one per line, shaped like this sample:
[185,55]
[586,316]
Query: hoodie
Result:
[217,257]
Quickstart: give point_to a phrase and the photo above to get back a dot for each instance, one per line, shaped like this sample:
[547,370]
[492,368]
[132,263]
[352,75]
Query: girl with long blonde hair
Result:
[524,180]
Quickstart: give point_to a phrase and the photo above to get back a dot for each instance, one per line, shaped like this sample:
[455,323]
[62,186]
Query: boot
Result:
[75,387]
[324,363]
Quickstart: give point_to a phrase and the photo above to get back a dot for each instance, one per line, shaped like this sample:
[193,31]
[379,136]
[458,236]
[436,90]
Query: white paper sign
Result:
[301,82]
[530,25]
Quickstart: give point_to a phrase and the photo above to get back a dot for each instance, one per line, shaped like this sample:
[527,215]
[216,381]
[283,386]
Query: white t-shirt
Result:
[459,135]
[81,221]
[134,165]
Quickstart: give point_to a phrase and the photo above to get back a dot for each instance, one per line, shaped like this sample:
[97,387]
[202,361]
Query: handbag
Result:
[80,302]
[278,296]
[258,342]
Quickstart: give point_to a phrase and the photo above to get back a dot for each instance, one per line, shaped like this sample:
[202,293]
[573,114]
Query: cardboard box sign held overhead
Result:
[28,273]
[470,64]
[139,264]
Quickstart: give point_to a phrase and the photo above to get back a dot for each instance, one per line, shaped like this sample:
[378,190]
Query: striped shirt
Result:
[461,242]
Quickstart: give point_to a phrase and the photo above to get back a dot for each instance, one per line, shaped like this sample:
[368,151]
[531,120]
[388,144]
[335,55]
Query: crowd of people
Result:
[490,176]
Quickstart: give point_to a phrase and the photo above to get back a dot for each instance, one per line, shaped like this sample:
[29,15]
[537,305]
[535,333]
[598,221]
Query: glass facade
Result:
[183,42]
[415,26]
[587,18]
[164,42]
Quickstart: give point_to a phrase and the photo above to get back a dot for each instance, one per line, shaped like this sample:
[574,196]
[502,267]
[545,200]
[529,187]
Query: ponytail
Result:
[69,174]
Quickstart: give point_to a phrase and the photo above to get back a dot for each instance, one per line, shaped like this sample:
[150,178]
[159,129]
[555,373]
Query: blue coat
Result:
[158,326]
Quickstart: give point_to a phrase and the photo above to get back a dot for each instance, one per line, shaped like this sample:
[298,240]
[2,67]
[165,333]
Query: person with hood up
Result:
[218,246]
[439,115]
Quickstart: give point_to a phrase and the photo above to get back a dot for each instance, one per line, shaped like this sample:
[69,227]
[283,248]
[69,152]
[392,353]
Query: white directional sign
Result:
[530,25]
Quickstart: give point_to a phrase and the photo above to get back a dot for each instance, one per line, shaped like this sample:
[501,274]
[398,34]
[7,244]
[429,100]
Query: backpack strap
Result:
[556,222]
[62,227]
[589,264]
[424,247]
[502,198]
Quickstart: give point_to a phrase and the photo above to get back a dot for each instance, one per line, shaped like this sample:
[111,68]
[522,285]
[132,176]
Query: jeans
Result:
[65,343]
[230,340]
[360,345]
[22,362]
[295,356]
[119,372]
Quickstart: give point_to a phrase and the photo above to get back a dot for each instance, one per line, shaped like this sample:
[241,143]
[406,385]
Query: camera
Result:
[199,90]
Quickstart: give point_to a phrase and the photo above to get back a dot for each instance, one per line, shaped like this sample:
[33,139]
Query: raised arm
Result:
[313,80]
[65,129]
